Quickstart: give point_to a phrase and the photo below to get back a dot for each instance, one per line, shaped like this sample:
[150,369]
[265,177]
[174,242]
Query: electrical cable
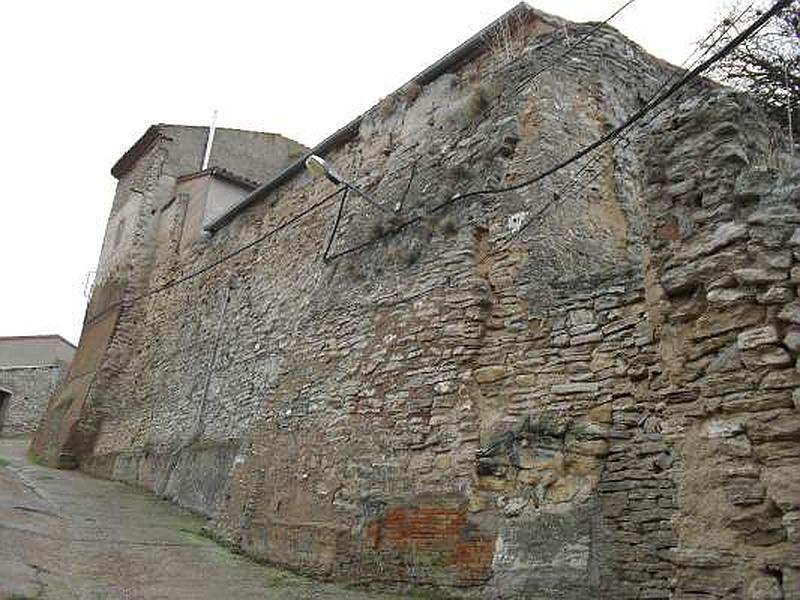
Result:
[570,48]
[656,100]
[637,116]
[172,283]
[615,133]
[569,185]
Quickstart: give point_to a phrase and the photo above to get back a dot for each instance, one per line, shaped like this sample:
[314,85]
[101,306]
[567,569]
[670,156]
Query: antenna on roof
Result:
[210,141]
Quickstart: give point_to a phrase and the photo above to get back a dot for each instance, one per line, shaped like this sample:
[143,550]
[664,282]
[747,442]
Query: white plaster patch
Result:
[516,221]
[722,429]
[574,556]
[502,554]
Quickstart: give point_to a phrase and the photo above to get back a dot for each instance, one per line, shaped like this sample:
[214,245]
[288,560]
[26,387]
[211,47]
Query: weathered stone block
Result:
[588,338]
[753,275]
[490,374]
[724,296]
[791,339]
[783,486]
[578,387]
[776,294]
[760,336]
[581,316]
[775,215]
[791,313]
[744,491]
[774,356]
[589,447]
[444,387]
[764,588]
[724,235]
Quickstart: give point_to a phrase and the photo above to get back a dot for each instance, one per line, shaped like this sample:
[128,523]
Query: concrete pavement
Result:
[67,536]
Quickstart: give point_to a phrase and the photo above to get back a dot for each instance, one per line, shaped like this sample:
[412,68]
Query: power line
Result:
[555,39]
[560,193]
[172,283]
[637,116]
[615,133]
[571,48]
[656,100]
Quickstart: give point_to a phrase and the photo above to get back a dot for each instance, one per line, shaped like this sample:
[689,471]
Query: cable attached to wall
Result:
[612,135]
[571,47]
[560,194]
[637,116]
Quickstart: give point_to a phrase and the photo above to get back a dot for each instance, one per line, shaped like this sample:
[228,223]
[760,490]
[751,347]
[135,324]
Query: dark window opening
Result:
[5,400]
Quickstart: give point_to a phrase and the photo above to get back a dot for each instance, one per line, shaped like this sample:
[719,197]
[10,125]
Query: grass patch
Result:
[448,227]
[4,462]
[195,533]
[45,477]
[35,459]
[376,228]
[476,103]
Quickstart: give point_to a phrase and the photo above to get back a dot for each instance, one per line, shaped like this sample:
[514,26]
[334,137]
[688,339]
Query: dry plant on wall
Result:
[411,92]
[447,226]
[376,228]
[388,105]
[507,39]
[403,254]
[405,96]
[444,226]
[766,65]
[476,102]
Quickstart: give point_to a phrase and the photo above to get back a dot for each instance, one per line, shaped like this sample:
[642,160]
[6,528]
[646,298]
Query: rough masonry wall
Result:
[722,299]
[495,412]
[30,389]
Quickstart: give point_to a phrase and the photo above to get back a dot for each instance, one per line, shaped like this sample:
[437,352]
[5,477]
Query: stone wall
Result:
[449,400]
[723,303]
[30,388]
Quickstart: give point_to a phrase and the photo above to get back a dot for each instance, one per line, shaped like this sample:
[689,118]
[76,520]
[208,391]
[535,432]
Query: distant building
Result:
[31,368]
[525,361]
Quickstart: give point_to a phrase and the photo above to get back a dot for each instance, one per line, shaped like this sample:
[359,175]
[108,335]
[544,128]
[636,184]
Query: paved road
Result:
[66,536]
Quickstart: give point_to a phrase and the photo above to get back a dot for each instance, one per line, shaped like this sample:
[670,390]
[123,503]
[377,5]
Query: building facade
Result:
[579,385]
[31,369]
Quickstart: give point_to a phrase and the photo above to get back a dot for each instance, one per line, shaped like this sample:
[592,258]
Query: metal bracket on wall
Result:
[327,257]
[345,191]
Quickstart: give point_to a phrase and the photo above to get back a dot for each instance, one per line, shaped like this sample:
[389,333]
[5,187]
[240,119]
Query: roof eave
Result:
[452,59]
[135,152]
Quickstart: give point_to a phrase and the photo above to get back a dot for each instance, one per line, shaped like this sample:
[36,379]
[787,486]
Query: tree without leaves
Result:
[766,65]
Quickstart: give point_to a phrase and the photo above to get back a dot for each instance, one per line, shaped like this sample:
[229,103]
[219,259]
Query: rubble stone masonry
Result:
[24,392]
[603,404]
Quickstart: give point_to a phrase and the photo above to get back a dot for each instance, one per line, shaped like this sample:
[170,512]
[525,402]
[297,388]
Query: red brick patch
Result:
[438,536]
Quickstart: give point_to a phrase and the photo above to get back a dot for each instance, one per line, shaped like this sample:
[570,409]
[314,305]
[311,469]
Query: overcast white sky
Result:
[81,81]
